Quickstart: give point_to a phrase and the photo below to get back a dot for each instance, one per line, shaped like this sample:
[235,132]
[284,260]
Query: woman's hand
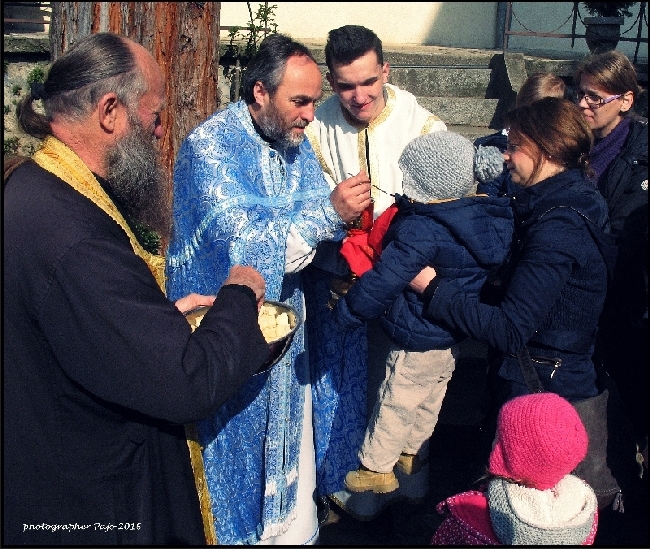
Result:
[422,279]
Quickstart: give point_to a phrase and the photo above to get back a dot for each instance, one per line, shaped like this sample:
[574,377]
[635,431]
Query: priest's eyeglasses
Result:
[594,101]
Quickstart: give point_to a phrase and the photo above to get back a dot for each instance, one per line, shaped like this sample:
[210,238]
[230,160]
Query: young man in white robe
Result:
[362,129]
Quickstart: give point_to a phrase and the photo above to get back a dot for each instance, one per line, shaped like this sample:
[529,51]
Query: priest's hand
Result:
[192,301]
[351,197]
[248,276]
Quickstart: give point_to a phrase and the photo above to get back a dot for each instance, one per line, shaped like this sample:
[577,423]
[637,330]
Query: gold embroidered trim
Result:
[361,148]
[315,145]
[55,157]
[373,165]
[196,457]
[390,99]
[429,124]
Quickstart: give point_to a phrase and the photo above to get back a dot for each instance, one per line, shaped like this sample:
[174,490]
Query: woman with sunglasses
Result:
[606,89]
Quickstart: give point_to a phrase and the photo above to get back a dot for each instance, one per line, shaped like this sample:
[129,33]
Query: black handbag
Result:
[599,418]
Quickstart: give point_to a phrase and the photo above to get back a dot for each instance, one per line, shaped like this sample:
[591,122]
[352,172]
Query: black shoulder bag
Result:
[603,415]
[593,411]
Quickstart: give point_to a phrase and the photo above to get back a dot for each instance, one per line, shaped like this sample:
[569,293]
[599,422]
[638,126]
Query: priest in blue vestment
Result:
[248,189]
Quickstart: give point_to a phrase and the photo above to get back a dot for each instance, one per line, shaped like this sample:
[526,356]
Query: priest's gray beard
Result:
[136,178]
[274,127]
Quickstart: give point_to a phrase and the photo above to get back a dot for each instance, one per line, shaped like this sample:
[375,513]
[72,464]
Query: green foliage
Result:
[245,41]
[10,145]
[5,64]
[17,80]
[37,74]
[149,239]
[609,9]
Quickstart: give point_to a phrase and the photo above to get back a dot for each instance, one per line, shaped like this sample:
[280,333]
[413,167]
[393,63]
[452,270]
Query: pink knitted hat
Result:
[540,439]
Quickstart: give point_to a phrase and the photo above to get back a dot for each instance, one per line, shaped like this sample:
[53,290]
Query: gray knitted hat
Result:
[446,165]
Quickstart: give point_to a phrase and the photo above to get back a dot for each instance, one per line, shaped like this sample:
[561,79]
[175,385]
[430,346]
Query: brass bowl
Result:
[195,315]
[277,347]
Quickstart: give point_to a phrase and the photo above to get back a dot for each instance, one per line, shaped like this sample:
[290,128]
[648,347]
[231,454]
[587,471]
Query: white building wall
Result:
[459,24]
[450,24]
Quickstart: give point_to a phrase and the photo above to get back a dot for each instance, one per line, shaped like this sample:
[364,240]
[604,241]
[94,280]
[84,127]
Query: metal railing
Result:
[575,15]
[26,13]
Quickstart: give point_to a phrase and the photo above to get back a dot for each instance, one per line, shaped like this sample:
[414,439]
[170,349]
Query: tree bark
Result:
[182,36]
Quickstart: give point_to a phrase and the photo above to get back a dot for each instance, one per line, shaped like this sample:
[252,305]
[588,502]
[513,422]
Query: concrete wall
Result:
[458,24]
[451,24]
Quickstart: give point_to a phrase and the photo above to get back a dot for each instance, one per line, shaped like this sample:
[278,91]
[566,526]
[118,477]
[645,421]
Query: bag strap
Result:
[605,242]
[528,370]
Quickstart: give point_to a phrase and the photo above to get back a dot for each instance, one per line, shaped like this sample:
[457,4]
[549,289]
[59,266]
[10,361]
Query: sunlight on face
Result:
[603,119]
[359,86]
[518,161]
[286,114]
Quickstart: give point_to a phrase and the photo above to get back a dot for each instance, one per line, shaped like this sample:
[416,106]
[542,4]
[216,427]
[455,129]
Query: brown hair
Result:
[552,128]
[540,85]
[612,71]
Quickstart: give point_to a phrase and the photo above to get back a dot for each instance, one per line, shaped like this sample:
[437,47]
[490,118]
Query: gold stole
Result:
[55,157]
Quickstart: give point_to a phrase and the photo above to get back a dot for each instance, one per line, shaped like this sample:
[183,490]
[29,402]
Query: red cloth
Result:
[361,249]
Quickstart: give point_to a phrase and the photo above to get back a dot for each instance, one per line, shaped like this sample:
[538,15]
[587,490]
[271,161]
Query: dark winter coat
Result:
[462,238]
[556,290]
[624,185]
[100,373]
[623,335]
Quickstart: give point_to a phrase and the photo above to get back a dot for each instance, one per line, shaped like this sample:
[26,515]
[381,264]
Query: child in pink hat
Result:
[531,497]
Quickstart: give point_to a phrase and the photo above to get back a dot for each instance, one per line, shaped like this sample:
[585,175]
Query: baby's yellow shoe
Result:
[362,480]
[410,464]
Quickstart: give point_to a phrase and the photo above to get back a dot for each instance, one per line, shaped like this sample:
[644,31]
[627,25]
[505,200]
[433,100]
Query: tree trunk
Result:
[182,36]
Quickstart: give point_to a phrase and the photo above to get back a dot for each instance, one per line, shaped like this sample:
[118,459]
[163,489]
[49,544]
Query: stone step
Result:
[436,81]
[410,55]
[471,132]
[466,111]
[441,81]
[434,71]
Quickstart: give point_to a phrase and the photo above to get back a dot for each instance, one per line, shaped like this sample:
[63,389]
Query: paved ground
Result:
[452,454]
[406,524]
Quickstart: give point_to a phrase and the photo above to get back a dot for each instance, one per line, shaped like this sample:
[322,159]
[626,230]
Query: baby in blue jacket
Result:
[439,222]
